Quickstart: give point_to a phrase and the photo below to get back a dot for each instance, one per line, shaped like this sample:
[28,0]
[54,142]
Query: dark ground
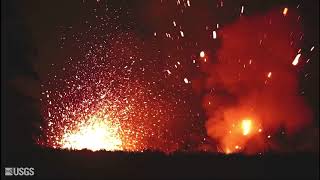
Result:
[57,164]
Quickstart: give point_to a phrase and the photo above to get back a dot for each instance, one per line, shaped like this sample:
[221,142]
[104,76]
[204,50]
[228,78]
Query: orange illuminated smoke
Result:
[246,126]
[238,135]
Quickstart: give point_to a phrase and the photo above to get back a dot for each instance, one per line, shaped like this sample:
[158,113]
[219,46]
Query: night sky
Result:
[154,47]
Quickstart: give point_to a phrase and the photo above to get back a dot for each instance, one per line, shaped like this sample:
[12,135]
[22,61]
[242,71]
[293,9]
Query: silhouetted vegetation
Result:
[85,164]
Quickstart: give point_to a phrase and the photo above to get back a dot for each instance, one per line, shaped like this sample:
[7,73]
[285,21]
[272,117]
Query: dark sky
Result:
[32,45]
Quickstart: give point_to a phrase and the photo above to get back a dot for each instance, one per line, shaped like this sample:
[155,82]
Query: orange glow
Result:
[246,126]
[97,134]
[257,110]
[236,134]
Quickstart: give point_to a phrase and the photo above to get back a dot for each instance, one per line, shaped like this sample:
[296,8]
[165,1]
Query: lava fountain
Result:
[97,133]
[100,97]
[246,126]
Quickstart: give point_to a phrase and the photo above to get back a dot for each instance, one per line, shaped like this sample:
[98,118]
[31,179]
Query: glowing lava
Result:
[97,134]
[246,126]
[238,133]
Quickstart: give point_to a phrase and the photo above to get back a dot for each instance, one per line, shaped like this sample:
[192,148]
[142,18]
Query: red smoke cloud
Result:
[254,79]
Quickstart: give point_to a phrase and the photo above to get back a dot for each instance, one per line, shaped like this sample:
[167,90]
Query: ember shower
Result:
[110,94]
[229,87]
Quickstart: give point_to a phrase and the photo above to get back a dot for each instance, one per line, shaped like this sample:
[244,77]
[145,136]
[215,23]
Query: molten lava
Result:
[116,91]
[246,126]
[235,132]
[96,134]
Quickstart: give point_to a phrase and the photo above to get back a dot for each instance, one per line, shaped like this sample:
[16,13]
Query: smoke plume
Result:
[252,88]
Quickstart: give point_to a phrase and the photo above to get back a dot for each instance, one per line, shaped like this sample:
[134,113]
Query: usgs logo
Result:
[19,171]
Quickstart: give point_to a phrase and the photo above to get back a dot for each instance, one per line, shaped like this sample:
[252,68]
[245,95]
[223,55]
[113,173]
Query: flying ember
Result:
[120,87]
[202,54]
[97,100]
[296,60]
[285,11]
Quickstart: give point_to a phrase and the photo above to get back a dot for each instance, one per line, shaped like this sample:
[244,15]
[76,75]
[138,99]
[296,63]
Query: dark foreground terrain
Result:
[57,164]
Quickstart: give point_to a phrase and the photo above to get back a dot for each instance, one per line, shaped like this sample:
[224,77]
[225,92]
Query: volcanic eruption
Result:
[175,88]
[253,84]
